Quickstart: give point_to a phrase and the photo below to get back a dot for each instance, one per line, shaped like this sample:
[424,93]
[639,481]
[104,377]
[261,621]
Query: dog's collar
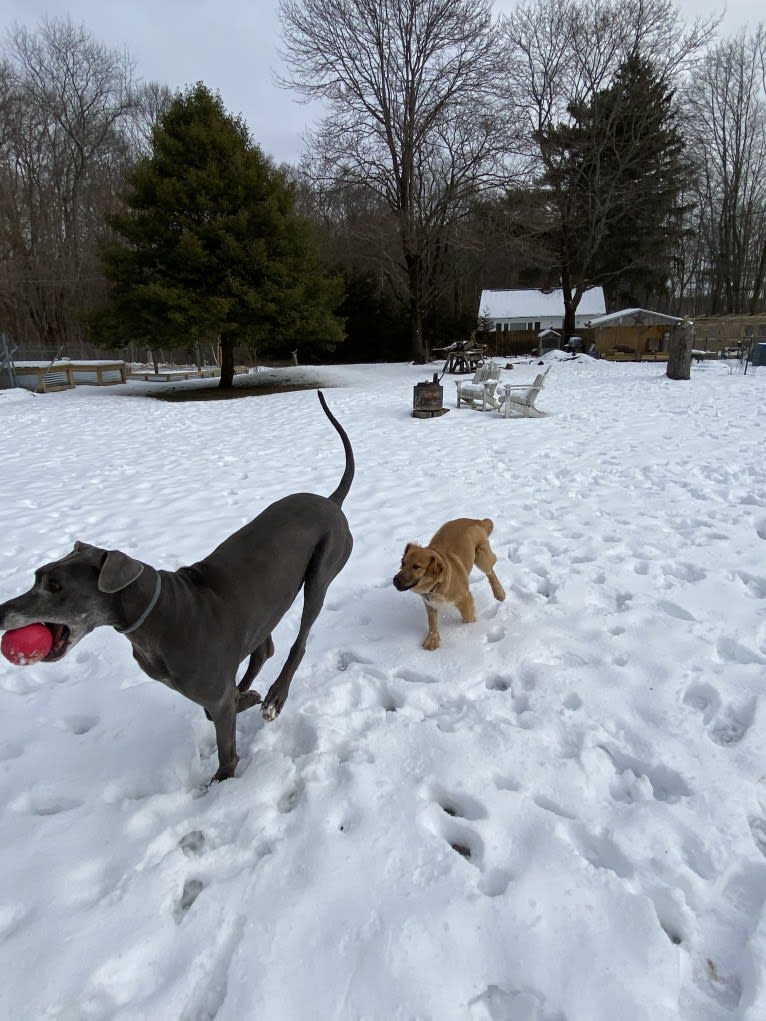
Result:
[152,603]
[427,595]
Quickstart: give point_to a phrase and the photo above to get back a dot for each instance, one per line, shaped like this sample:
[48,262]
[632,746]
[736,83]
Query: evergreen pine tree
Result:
[648,161]
[210,247]
[614,173]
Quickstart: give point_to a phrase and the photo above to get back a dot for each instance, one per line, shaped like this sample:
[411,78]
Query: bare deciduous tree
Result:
[411,91]
[727,103]
[70,127]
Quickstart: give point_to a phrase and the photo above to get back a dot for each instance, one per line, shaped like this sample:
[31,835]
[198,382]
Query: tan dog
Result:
[439,571]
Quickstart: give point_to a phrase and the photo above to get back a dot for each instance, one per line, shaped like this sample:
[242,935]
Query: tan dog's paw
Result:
[431,642]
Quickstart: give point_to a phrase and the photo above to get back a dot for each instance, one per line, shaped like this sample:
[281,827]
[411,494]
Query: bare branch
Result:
[414,91]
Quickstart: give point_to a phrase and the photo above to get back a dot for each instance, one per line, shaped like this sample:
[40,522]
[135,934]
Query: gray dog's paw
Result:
[274,701]
[270,711]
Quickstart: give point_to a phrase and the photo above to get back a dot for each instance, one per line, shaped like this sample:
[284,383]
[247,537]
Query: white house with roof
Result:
[513,309]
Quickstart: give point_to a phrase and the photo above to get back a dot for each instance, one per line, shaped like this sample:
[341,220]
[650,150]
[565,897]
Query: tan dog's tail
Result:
[487,524]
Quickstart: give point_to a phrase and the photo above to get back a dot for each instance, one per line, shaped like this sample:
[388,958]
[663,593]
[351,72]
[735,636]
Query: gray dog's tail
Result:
[344,485]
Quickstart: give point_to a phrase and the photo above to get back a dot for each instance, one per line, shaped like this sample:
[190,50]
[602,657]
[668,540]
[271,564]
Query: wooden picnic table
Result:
[462,357]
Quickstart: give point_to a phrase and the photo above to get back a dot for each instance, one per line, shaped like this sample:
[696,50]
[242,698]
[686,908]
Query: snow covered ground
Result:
[560,815]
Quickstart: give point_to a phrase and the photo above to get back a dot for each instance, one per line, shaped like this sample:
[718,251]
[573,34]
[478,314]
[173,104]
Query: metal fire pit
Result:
[427,399]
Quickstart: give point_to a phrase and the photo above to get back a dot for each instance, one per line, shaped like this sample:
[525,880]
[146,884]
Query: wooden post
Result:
[680,350]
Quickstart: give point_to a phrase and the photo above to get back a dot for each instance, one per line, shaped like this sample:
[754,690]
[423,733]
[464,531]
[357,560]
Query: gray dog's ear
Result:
[119,571]
[82,547]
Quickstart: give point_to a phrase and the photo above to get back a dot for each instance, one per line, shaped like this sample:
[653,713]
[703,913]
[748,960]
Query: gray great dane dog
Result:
[191,628]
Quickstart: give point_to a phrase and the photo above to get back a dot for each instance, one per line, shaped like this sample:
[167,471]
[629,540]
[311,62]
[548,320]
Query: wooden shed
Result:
[633,334]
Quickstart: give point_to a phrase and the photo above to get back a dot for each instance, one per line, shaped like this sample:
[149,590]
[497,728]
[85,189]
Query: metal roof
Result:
[635,317]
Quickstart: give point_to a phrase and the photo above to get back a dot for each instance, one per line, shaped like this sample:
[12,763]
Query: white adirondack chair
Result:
[519,398]
[479,393]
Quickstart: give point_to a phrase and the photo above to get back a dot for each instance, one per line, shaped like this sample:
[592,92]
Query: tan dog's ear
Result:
[435,564]
[407,548]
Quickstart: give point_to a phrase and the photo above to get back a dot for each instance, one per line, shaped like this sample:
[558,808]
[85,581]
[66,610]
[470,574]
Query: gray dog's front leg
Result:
[225,721]
[246,698]
[278,692]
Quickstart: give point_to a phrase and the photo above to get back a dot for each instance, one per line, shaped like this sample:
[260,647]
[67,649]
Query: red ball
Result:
[26,645]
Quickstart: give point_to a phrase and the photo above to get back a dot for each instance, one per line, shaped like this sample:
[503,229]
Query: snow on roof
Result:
[635,317]
[532,304]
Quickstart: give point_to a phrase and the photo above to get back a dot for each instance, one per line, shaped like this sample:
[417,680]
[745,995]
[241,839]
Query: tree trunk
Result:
[571,301]
[418,346]
[569,326]
[569,329]
[760,276]
[680,351]
[227,365]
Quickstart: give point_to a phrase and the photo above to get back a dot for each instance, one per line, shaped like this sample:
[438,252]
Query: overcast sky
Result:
[232,46]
